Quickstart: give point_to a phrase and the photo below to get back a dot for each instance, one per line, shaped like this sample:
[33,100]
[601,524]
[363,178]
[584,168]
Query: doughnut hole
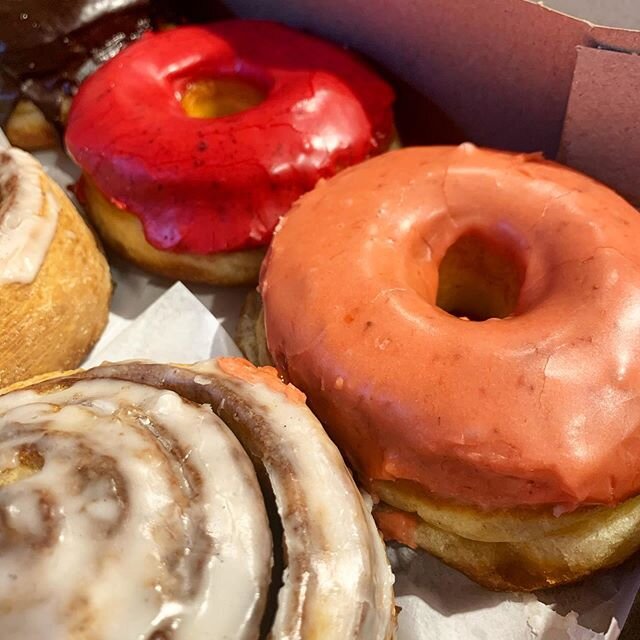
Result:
[216,98]
[479,278]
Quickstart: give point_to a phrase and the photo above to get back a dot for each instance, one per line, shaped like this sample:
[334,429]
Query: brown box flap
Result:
[601,134]
[501,69]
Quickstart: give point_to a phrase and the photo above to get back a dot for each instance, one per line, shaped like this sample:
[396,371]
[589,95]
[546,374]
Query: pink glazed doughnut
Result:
[466,323]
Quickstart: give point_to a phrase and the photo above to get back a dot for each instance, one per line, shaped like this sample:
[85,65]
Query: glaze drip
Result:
[28,216]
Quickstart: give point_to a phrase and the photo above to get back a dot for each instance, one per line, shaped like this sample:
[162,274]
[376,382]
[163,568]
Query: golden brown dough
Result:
[512,549]
[28,129]
[122,232]
[53,321]
[250,333]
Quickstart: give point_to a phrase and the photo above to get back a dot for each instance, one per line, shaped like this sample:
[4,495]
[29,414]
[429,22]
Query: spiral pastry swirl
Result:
[136,501]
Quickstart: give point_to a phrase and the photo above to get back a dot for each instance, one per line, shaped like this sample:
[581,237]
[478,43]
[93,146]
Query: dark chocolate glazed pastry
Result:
[47,48]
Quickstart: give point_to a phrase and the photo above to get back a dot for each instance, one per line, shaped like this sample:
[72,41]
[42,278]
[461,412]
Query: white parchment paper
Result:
[163,321]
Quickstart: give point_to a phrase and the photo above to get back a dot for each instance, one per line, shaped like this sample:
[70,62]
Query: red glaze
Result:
[539,408]
[221,184]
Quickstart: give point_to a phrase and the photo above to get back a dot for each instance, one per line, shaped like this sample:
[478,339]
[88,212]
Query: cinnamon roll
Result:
[130,507]
[54,281]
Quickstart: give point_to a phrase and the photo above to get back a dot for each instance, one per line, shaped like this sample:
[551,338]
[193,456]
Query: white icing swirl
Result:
[126,512]
[28,216]
[338,584]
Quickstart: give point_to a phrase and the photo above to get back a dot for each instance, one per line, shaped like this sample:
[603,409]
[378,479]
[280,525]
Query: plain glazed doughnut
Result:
[194,141]
[466,324]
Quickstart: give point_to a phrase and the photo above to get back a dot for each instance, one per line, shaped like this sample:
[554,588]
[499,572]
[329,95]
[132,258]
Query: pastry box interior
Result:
[320,320]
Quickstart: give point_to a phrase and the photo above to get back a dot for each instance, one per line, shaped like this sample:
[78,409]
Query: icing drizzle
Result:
[121,516]
[28,216]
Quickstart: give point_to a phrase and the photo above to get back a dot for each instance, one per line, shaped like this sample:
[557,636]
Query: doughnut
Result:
[465,323]
[55,286]
[45,55]
[47,48]
[199,501]
[250,332]
[194,141]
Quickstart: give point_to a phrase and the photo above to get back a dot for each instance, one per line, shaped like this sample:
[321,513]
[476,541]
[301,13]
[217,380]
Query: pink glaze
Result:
[268,376]
[539,408]
[397,525]
[204,185]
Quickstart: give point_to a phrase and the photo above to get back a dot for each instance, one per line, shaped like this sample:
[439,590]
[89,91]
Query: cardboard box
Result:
[515,75]
[512,74]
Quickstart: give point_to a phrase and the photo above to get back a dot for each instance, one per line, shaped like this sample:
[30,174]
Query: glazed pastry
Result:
[193,142]
[47,49]
[135,481]
[55,286]
[465,324]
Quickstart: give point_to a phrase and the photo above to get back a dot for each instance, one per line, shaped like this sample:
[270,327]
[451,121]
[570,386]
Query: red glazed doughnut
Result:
[205,185]
[467,325]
